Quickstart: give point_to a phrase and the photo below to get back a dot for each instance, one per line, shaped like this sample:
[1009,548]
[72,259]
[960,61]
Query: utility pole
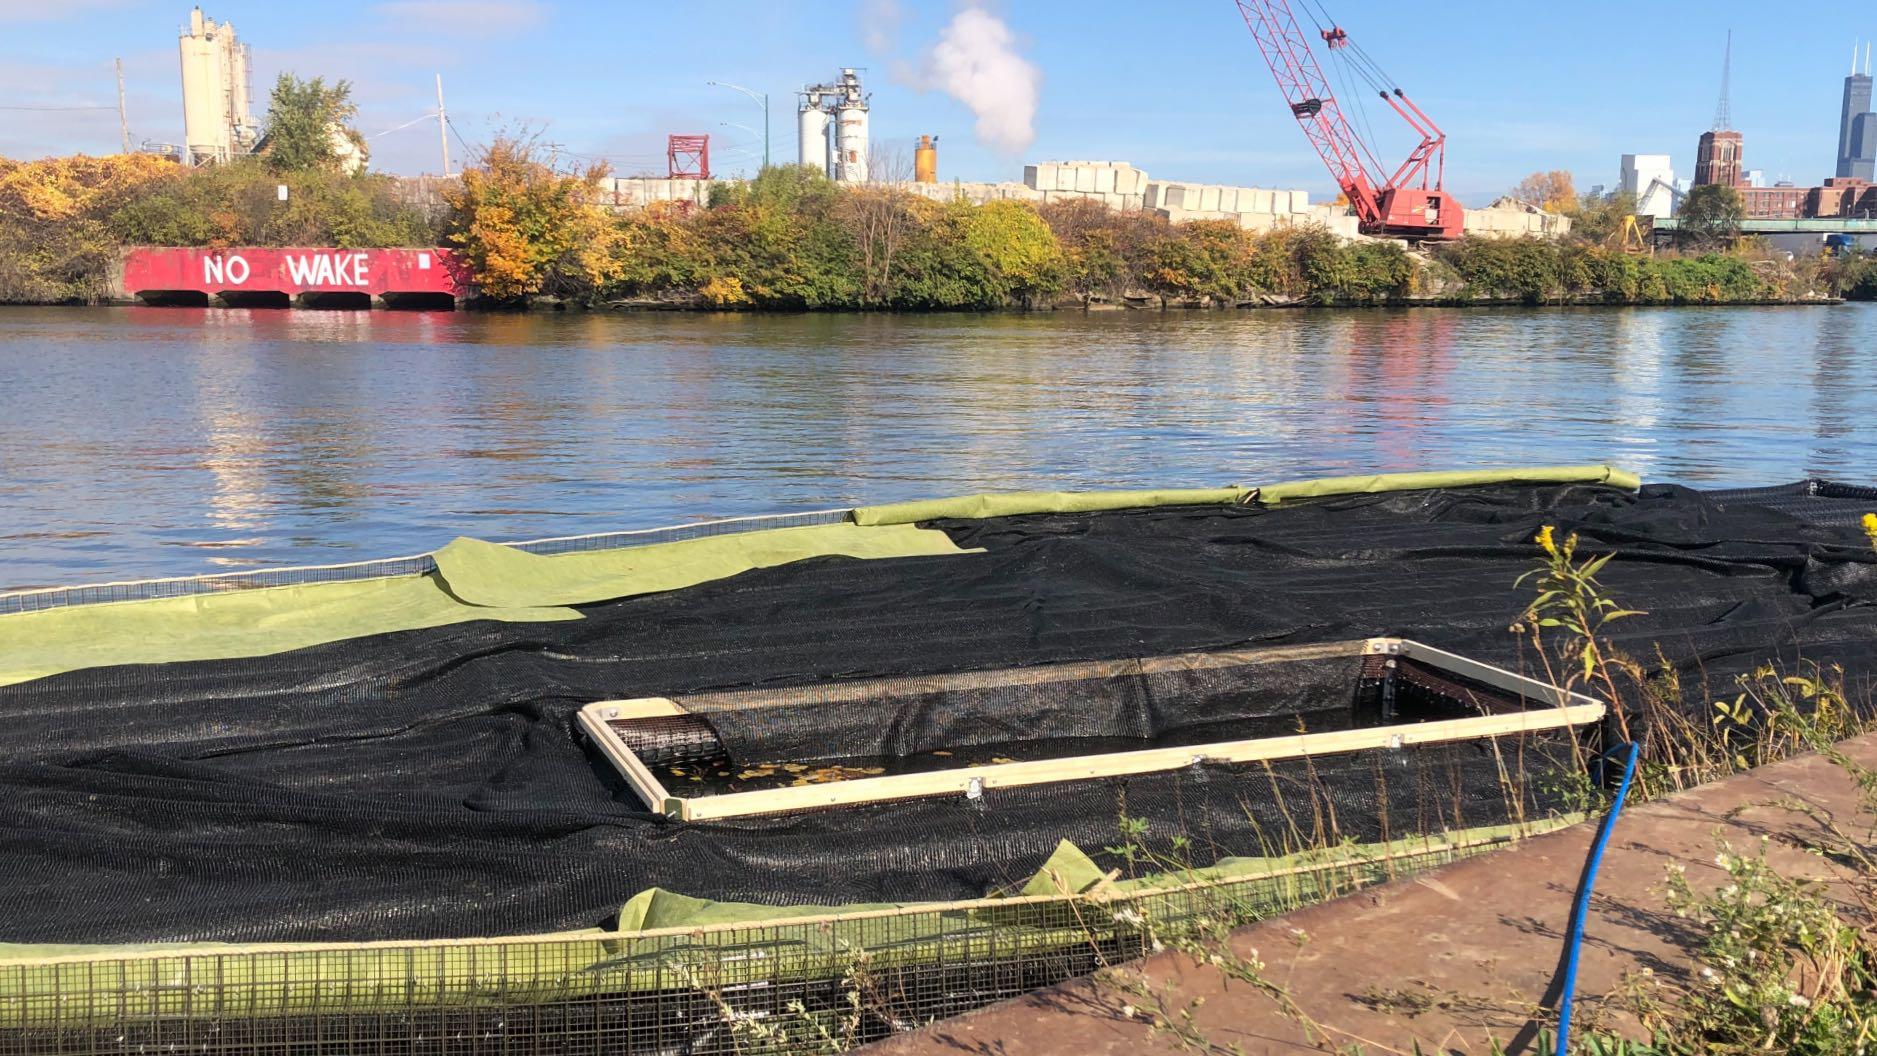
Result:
[443,128]
[123,120]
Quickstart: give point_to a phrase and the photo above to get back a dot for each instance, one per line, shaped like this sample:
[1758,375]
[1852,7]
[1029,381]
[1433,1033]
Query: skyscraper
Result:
[1857,129]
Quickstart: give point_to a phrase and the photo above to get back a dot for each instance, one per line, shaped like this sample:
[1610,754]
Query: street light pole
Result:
[759,98]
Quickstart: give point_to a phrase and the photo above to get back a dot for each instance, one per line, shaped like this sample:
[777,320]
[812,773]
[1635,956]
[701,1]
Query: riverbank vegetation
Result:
[791,240]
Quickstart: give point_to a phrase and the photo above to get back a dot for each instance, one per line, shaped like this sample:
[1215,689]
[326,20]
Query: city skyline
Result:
[1195,104]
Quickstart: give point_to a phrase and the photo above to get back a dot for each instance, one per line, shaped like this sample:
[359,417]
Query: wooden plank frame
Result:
[1567,709]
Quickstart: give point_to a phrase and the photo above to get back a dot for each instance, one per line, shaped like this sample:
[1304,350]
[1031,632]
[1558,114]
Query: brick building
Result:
[1784,202]
[1842,197]
[1717,159]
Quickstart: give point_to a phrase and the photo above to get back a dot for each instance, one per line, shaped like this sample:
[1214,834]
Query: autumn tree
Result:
[1019,249]
[1552,191]
[306,123]
[56,242]
[525,227]
[1105,252]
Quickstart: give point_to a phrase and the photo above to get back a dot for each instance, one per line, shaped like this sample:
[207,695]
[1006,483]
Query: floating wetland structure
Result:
[858,769]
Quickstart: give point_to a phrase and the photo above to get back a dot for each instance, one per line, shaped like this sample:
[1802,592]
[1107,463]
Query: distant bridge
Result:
[1811,226]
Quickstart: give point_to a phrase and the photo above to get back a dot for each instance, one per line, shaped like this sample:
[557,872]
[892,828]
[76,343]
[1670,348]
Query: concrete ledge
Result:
[1456,957]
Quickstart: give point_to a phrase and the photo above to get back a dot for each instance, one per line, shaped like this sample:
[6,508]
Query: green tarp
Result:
[491,574]
[475,581]
[238,623]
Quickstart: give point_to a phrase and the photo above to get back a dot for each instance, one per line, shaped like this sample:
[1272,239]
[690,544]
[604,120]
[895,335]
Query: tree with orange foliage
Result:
[1552,191]
[65,188]
[526,228]
[55,240]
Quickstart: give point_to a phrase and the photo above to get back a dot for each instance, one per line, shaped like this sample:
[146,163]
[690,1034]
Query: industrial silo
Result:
[217,122]
[851,129]
[812,126]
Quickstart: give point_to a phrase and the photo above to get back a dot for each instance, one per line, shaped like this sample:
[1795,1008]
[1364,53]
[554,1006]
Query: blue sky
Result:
[1174,86]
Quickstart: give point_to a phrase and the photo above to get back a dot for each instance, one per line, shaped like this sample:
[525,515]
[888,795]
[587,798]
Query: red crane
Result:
[1409,204]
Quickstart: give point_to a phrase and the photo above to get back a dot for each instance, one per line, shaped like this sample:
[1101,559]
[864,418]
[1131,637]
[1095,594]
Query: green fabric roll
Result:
[1017,503]
[1273,494]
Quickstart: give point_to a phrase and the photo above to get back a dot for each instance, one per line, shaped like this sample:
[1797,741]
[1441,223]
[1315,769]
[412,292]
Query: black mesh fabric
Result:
[1172,700]
[433,784]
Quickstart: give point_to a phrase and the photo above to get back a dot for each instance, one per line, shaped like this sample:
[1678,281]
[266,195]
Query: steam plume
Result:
[976,62]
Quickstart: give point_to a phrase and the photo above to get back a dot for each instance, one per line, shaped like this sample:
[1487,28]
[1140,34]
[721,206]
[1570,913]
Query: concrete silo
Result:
[840,107]
[812,127]
[851,130]
[218,122]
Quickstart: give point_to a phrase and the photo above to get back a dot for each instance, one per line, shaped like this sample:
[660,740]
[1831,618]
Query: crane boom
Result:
[1384,204]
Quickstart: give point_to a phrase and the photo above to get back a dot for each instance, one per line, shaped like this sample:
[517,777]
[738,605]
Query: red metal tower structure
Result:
[687,157]
[1387,205]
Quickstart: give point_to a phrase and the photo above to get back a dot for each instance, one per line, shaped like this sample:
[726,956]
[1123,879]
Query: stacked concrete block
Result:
[637,192]
[1112,201]
[1161,194]
[1333,219]
[1089,177]
[975,193]
[1511,218]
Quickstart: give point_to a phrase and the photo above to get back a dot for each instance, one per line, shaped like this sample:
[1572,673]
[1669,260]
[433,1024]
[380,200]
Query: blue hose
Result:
[1581,908]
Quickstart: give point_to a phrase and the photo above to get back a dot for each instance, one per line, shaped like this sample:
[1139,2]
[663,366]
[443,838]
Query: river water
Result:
[140,442]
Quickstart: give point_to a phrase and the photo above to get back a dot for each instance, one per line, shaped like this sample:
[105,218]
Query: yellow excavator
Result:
[1638,234]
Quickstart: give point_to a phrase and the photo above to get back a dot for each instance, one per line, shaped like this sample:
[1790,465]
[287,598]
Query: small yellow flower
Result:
[1543,538]
[1870,527]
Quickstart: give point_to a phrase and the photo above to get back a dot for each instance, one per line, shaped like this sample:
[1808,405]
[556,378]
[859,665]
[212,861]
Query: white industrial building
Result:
[218,121]
[1650,180]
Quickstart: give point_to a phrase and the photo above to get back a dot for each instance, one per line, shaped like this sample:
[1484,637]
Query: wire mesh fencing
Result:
[811,984]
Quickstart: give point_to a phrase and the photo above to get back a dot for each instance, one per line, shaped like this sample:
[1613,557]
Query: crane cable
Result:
[1351,52]
[1345,66]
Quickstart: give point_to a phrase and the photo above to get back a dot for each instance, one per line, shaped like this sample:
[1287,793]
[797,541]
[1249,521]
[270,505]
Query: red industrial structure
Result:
[687,157]
[1408,204]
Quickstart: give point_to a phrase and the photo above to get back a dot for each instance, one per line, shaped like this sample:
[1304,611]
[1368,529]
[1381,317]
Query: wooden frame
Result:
[1568,709]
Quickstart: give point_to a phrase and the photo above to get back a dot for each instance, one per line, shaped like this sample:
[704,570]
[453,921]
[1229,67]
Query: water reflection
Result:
[166,441]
